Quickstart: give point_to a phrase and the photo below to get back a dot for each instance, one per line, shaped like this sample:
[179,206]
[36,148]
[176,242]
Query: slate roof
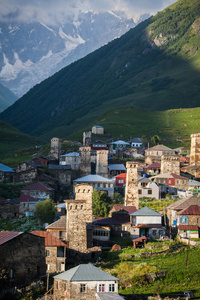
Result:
[60,224]
[85,272]
[38,186]
[118,167]
[136,140]
[190,210]
[160,148]
[50,239]
[188,227]
[93,178]
[59,167]
[153,165]
[184,203]
[169,175]
[109,296]
[145,211]
[6,236]
[6,169]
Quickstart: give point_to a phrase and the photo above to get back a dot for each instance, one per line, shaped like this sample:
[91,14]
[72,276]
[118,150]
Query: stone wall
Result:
[8,210]
[55,264]
[195,149]
[55,147]
[170,164]
[85,161]
[131,191]
[87,138]
[102,163]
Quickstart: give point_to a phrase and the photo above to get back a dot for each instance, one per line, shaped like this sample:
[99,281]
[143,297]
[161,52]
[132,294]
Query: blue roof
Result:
[145,211]
[85,272]
[119,167]
[71,154]
[98,126]
[93,178]
[4,168]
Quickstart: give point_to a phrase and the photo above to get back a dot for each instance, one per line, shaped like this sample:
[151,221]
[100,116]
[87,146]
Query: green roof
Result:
[85,272]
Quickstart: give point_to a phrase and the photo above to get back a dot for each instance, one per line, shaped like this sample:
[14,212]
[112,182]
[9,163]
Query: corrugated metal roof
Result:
[120,142]
[6,236]
[5,168]
[85,272]
[93,178]
[118,167]
[190,210]
[184,203]
[145,211]
[109,296]
[50,240]
[38,186]
[60,224]
[188,227]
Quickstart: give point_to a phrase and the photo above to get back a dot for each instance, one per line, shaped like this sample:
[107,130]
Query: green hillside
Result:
[13,140]
[7,97]
[173,126]
[155,66]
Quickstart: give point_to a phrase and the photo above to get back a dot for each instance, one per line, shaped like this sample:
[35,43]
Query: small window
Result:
[101,288]
[149,192]
[83,288]
[139,192]
[81,206]
[71,207]
[47,252]
[111,287]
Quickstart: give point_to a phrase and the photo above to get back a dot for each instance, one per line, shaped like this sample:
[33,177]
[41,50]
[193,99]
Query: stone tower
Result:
[131,191]
[170,164]
[79,214]
[85,160]
[102,163]
[195,149]
[55,147]
[87,138]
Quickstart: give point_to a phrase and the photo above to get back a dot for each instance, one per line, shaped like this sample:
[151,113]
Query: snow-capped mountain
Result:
[31,52]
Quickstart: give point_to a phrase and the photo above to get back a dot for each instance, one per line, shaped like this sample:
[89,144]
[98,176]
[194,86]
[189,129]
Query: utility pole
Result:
[188,247]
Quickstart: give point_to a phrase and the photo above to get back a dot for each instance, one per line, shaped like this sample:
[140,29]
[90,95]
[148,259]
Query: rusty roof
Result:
[60,224]
[38,186]
[129,209]
[148,226]
[184,203]
[27,198]
[6,236]
[188,227]
[50,239]
[140,239]
[153,165]
[190,210]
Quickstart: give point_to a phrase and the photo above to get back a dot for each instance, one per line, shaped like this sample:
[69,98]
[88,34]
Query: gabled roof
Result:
[169,175]
[122,175]
[93,178]
[120,142]
[5,168]
[38,186]
[184,203]
[50,239]
[160,148]
[145,211]
[98,126]
[27,198]
[190,210]
[85,272]
[71,154]
[109,296]
[153,165]
[118,167]
[129,209]
[136,140]
[60,224]
[59,167]
[6,236]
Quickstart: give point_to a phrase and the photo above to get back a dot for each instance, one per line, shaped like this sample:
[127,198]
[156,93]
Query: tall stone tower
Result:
[79,214]
[102,163]
[131,191]
[55,147]
[170,164]
[85,160]
[195,149]
[87,138]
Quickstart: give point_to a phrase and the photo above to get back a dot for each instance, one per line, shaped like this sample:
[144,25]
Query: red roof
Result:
[178,176]
[140,239]
[27,198]
[116,247]
[149,226]
[153,165]
[122,175]
[50,240]
[188,227]
[6,236]
[38,186]
[129,209]
[190,210]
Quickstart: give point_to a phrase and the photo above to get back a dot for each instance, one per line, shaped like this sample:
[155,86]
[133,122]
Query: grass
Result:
[25,224]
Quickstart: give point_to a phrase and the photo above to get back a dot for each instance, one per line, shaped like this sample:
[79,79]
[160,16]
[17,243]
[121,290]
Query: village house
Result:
[22,257]
[6,173]
[132,153]
[9,208]
[154,154]
[148,188]
[146,222]
[86,281]
[152,169]
[55,251]
[182,151]
[188,221]
[58,228]
[27,171]
[99,145]
[27,205]
[136,143]
[38,190]
[71,159]
[97,129]
[118,146]
[115,169]
[172,180]
[120,180]
[62,173]
[98,182]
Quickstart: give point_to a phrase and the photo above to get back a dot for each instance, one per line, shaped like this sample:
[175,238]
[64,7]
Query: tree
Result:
[100,204]
[117,198]
[155,140]
[45,211]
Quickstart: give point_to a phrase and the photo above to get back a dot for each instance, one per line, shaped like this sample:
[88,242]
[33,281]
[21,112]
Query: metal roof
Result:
[38,186]
[136,140]
[109,296]
[118,167]
[6,236]
[59,167]
[85,272]
[145,211]
[98,126]
[190,210]
[50,240]
[120,142]
[59,224]
[5,168]
[74,154]
[93,178]
[160,148]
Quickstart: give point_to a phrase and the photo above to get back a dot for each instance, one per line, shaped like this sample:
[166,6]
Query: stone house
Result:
[71,159]
[6,173]
[178,206]
[118,146]
[27,205]
[62,173]
[152,169]
[154,154]
[27,171]
[97,129]
[116,169]
[148,188]
[58,228]
[55,251]
[85,281]
[38,190]
[173,180]
[188,222]
[99,183]
[9,208]
[146,222]
[99,145]
[22,257]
